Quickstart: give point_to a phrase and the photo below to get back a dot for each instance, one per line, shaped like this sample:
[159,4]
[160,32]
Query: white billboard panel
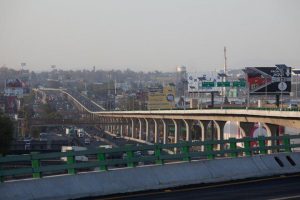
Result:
[195,80]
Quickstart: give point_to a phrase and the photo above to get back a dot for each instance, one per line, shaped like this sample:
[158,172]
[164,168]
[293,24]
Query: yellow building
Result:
[161,98]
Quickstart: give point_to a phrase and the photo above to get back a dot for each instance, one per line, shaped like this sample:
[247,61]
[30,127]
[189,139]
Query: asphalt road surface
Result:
[274,188]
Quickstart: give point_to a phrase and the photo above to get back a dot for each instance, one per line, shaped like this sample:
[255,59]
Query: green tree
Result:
[35,133]
[6,133]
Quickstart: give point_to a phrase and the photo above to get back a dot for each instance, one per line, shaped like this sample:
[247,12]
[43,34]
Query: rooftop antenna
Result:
[225,74]
[225,63]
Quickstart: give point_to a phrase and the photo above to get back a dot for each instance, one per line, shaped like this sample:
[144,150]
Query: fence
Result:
[130,156]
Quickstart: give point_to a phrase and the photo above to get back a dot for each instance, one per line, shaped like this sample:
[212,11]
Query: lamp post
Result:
[184,82]
[282,85]
[200,79]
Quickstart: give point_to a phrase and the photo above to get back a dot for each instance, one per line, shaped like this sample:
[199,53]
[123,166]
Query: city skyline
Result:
[148,35]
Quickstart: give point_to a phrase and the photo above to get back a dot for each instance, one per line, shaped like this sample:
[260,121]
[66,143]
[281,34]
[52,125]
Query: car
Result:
[293,106]
[87,141]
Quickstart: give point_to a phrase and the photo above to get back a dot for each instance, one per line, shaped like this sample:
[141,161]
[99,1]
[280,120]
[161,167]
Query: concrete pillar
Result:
[203,126]
[121,129]
[175,131]
[155,131]
[164,131]
[246,128]
[220,132]
[140,129]
[272,130]
[147,130]
[106,124]
[110,125]
[126,128]
[132,128]
[187,129]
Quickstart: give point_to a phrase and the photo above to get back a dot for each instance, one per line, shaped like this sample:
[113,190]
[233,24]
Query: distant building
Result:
[51,83]
[181,80]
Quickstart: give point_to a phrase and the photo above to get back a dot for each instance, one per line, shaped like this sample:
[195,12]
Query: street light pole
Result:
[281,91]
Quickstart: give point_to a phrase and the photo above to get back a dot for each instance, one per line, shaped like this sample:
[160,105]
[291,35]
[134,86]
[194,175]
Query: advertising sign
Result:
[161,98]
[16,87]
[269,80]
[198,82]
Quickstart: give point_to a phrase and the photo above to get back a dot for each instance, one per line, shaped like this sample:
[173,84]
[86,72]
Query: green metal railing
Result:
[33,165]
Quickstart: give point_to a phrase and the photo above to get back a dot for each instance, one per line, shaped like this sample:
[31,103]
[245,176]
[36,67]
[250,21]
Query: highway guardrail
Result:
[131,156]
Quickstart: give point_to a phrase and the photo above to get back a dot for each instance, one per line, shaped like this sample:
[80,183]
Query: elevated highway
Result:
[203,124]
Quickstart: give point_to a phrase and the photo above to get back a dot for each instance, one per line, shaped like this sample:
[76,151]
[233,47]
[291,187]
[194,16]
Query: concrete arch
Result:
[140,128]
[164,131]
[175,131]
[187,130]
[155,131]
[232,129]
[220,131]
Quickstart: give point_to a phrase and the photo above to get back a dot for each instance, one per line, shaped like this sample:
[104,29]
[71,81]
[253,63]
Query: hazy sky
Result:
[149,34]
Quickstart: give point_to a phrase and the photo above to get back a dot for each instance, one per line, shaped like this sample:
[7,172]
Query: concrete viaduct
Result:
[172,126]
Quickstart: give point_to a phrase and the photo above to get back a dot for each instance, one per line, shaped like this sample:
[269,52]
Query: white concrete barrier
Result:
[149,177]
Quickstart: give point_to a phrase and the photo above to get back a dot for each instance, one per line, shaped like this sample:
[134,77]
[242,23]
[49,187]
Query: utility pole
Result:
[225,63]
[225,74]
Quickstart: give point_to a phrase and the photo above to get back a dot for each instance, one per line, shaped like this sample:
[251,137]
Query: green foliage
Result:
[6,133]
[35,133]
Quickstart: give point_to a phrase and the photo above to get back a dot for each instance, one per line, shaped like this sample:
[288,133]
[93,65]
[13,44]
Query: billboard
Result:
[16,87]
[269,80]
[161,98]
[197,82]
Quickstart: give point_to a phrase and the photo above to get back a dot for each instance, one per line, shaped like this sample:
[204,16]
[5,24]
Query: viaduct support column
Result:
[205,129]
[203,126]
[147,130]
[121,127]
[220,132]
[246,127]
[128,127]
[272,130]
[164,131]
[155,131]
[175,131]
[106,124]
[187,129]
[132,128]
[140,129]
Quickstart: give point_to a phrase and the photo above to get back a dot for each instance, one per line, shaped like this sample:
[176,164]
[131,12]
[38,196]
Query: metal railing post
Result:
[209,148]
[247,146]
[1,176]
[186,151]
[71,161]
[101,158]
[262,145]
[130,155]
[157,154]
[35,164]
[287,143]
[232,143]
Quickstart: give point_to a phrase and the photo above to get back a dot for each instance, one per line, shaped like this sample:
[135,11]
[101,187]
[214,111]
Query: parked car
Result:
[293,106]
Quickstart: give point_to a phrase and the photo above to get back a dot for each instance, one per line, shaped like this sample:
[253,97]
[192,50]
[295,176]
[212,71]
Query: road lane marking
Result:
[290,197]
[200,188]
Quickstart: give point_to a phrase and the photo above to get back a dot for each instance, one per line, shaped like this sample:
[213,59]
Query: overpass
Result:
[67,122]
[154,126]
[193,162]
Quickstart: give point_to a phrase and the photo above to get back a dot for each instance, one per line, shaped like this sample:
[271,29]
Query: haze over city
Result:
[148,35]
